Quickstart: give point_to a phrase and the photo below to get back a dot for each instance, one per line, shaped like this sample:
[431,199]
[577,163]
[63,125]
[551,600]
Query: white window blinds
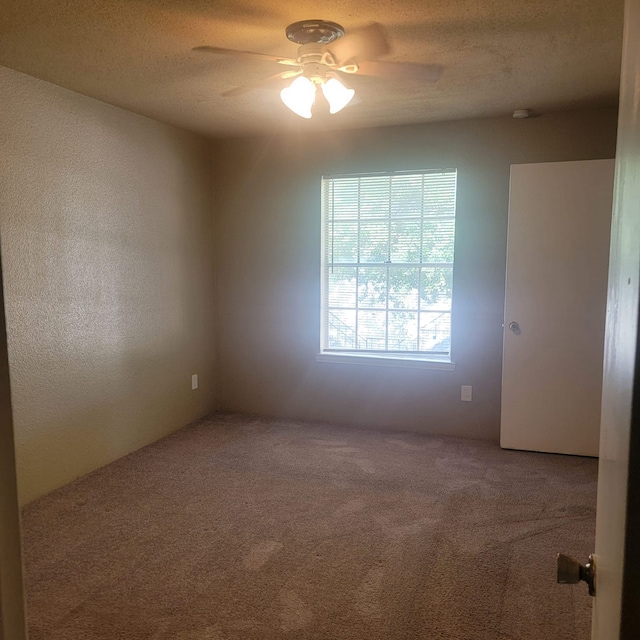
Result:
[388,242]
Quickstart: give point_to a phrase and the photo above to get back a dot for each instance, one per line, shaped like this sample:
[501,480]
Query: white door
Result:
[556,289]
[616,613]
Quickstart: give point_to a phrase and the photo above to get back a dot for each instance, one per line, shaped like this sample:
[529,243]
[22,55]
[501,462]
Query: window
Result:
[387,264]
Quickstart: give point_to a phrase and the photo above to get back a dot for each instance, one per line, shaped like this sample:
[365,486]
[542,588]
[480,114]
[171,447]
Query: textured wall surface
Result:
[106,229]
[268,251]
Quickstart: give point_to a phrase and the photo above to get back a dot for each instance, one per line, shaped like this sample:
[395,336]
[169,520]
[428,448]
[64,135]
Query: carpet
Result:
[243,528]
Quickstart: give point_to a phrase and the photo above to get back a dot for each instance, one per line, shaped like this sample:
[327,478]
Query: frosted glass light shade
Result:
[299,96]
[337,95]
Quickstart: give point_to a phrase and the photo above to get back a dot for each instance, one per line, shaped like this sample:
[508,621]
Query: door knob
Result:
[515,327]
[570,571]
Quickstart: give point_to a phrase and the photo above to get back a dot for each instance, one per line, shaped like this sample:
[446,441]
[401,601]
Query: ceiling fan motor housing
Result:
[314,31]
[314,61]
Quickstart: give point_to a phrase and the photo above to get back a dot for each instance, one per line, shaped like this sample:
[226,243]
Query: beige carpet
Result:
[240,528]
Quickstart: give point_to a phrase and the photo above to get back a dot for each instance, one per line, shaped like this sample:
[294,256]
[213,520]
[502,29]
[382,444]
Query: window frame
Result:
[411,359]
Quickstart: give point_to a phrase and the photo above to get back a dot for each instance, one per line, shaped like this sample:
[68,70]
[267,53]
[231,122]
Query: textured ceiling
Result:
[498,55]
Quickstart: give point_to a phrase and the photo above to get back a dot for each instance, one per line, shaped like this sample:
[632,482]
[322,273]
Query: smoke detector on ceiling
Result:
[520,114]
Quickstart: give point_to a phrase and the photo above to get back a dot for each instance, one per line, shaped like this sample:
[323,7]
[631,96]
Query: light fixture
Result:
[300,95]
[337,95]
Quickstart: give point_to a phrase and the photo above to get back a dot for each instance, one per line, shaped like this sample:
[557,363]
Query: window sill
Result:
[412,362]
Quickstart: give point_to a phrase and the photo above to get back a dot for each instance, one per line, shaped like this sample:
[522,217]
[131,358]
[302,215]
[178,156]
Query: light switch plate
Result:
[466,393]
[194,382]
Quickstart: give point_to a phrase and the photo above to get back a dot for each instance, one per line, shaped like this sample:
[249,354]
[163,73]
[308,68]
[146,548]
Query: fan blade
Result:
[412,71]
[365,43]
[272,82]
[244,54]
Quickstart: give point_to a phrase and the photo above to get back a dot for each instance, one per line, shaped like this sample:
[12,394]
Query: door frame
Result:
[616,610]
[13,621]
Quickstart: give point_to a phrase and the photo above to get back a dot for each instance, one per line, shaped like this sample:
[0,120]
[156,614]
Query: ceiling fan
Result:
[326,56]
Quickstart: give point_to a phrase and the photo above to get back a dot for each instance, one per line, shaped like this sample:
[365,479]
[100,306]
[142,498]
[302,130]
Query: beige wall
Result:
[106,229]
[268,258]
